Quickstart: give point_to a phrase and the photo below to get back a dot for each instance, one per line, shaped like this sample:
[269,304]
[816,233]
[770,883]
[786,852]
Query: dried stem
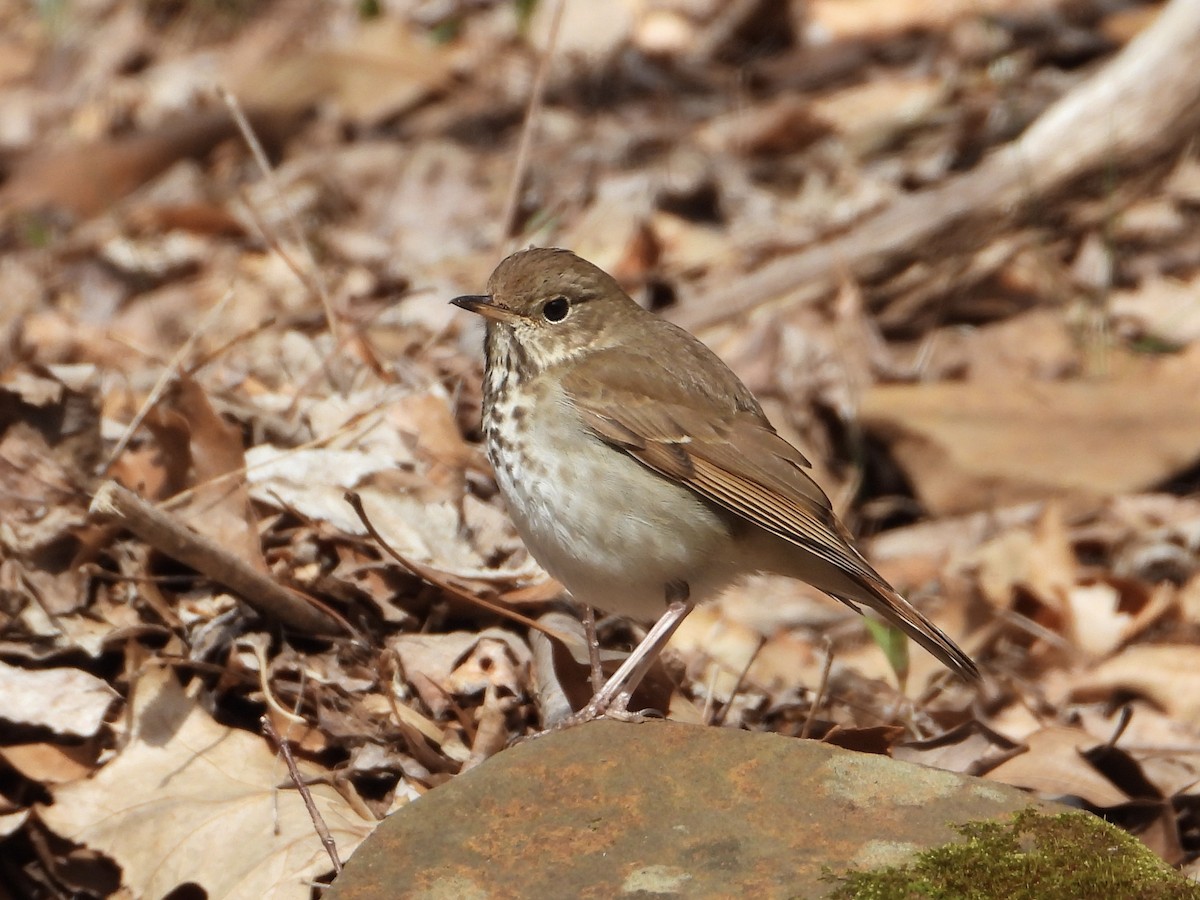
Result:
[529,127]
[719,718]
[312,279]
[318,820]
[434,577]
[819,696]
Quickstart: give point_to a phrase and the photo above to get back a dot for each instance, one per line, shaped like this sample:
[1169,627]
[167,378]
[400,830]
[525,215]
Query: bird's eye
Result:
[556,310]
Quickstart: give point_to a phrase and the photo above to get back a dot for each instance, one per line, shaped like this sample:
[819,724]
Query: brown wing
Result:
[731,456]
[723,448]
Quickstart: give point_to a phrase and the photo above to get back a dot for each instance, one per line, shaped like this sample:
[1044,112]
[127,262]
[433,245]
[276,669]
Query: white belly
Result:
[612,531]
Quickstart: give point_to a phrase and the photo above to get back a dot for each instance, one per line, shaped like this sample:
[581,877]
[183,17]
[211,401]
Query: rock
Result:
[610,809]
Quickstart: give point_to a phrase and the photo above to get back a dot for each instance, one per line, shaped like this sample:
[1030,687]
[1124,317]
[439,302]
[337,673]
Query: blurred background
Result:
[951,246]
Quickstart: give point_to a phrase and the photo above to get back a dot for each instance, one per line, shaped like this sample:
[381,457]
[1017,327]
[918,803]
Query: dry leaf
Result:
[970,749]
[217,507]
[973,445]
[1099,626]
[186,791]
[463,661]
[50,763]
[1053,766]
[879,19]
[1166,675]
[67,701]
[1164,309]
[869,115]
[383,71]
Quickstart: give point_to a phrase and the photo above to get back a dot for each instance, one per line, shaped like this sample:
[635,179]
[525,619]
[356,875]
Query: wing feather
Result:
[737,460]
[719,444]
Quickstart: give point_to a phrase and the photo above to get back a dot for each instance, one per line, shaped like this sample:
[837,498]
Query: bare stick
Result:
[615,694]
[268,234]
[1123,720]
[314,279]
[822,686]
[164,379]
[434,577]
[536,95]
[1144,102]
[169,535]
[552,703]
[318,821]
[719,718]
[264,685]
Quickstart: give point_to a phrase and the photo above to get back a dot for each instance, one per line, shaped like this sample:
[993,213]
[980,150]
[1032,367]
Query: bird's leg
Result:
[612,699]
[593,642]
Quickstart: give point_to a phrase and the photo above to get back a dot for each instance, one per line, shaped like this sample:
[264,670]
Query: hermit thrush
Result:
[640,472]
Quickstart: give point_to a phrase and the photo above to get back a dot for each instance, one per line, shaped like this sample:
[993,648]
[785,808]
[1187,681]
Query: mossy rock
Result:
[616,810]
[1034,856]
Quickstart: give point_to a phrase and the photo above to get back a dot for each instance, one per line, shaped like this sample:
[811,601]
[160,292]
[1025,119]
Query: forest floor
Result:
[952,248]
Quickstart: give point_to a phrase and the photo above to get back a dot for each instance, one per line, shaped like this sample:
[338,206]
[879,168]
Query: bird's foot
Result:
[600,707]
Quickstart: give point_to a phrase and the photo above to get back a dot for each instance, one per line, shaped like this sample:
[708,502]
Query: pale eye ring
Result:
[556,310]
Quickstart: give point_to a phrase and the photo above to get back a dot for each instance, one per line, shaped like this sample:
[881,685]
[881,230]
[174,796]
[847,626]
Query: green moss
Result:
[1047,857]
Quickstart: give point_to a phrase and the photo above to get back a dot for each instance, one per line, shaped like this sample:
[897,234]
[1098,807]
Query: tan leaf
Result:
[1053,766]
[1161,308]
[974,445]
[382,70]
[1107,613]
[11,822]
[1002,564]
[189,800]
[67,701]
[1167,675]
[1052,565]
[50,763]
[870,114]
[1035,344]
[464,662]
[1099,625]
[844,19]
[218,507]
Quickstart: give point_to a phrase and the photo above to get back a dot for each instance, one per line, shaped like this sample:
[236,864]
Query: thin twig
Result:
[710,692]
[1123,720]
[822,686]
[160,386]
[536,95]
[318,821]
[719,718]
[276,245]
[217,352]
[264,165]
[264,684]
[1029,626]
[434,577]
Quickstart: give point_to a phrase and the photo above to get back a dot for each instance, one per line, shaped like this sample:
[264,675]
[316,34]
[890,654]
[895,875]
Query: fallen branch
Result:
[167,534]
[1142,104]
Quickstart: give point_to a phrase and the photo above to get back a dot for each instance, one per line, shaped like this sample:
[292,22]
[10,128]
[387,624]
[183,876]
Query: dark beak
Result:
[484,305]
